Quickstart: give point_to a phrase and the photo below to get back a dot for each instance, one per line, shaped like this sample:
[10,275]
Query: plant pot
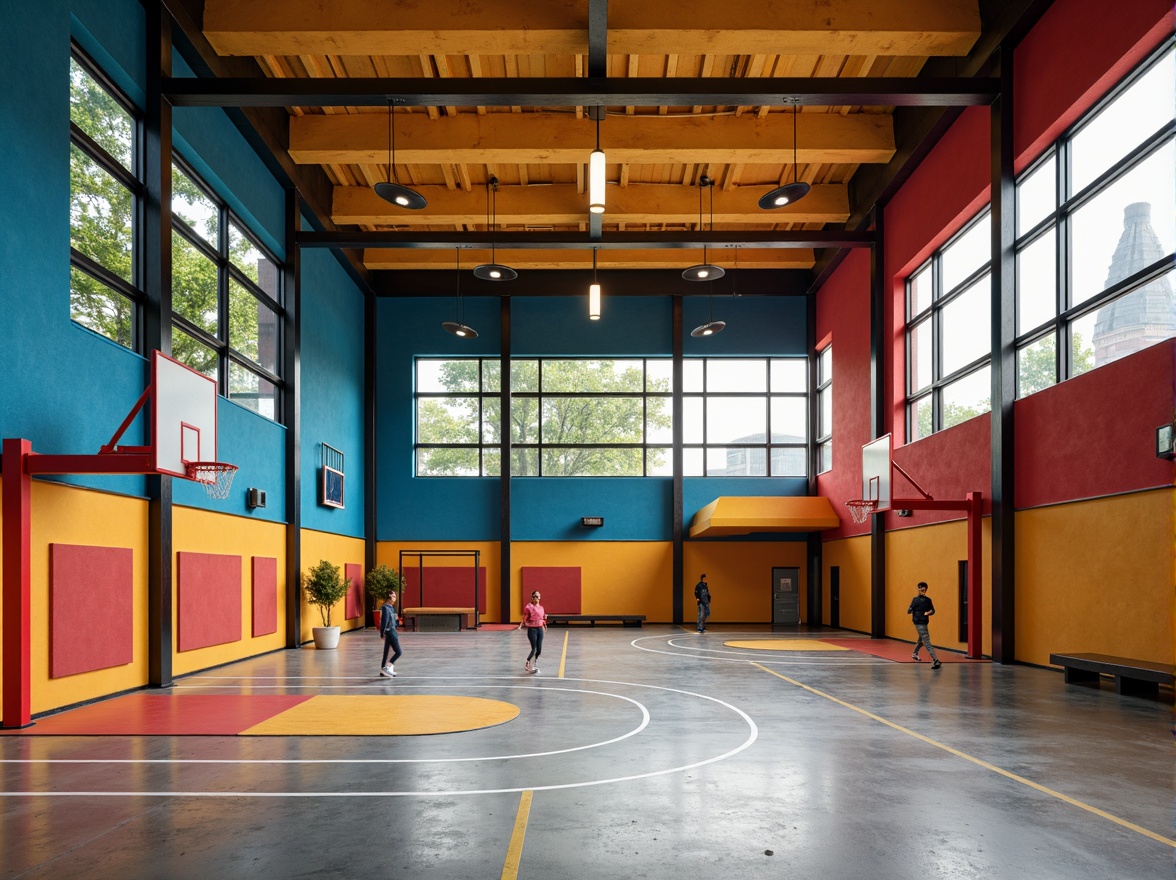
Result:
[326,638]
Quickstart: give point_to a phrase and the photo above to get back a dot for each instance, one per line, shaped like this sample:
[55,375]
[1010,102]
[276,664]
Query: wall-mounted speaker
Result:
[254,498]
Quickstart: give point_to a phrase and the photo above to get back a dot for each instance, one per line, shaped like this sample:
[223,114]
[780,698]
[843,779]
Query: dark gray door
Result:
[835,596]
[785,596]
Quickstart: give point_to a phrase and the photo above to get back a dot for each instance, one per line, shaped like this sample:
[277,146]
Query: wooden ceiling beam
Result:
[545,138]
[565,204]
[560,27]
[520,260]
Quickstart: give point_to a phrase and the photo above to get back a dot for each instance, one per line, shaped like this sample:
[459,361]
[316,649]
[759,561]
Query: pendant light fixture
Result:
[705,271]
[594,293]
[790,192]
[493,271]
[457,326]
[711,327]
[596,171]
[390,191]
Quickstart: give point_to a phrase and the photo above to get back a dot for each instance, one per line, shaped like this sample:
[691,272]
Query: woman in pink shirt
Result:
[535,620]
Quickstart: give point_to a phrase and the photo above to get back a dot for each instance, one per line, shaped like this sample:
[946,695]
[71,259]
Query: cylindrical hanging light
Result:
[594,293]
[596,173]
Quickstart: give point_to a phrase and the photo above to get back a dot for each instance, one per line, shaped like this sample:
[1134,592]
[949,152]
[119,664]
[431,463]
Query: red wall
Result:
[1095,434]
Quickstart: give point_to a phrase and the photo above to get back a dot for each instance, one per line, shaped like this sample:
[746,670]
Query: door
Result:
[835,596]
[785,596]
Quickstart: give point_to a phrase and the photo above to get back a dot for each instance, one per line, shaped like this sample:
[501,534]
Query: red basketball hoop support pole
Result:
[18,466]
[973,504]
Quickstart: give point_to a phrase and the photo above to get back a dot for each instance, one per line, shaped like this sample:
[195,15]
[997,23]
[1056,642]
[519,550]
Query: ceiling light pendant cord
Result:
[493,271]
[791,192]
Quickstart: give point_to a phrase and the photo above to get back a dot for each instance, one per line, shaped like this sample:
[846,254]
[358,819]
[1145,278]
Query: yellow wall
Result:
[338,550]
[740,577]
[932,554]
[852,556]
[1097,576]
[68,515]
[616,577]
[388,553]
[202,531]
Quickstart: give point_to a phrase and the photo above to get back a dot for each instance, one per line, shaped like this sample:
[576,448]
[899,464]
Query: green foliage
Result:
[382,581]
[566,424]
[324,586]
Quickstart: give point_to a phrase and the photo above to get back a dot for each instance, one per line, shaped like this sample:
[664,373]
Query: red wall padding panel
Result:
[559,587]
[265,595]
[209,599]
[446,586]
[353,605]
[91,623]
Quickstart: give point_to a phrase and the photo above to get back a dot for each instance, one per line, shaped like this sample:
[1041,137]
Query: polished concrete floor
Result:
[652,753]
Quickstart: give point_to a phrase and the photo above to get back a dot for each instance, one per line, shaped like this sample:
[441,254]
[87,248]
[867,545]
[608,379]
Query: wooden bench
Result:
[440,619]
[1131,676]
[569,619]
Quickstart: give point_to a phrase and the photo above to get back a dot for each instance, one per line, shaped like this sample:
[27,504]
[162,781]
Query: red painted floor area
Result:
[164,715]
[899,652]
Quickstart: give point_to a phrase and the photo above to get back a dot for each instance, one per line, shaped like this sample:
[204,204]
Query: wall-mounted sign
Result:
[592,520]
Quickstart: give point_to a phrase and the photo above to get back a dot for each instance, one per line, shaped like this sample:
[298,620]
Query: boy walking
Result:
[702,594]
[388,631]
[921,609]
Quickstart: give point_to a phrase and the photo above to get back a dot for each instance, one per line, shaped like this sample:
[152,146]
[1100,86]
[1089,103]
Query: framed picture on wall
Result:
[332,490]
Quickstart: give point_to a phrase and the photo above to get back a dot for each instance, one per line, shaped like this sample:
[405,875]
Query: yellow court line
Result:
[563,658]
[1013,776]
[514,852]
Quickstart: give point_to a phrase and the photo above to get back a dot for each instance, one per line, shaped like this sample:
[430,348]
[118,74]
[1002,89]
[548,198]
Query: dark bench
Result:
[569,619]
[1131,676]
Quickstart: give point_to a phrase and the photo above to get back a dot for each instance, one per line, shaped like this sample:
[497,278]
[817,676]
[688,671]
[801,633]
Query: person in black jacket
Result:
[391,640]
[920,609]
[702,594]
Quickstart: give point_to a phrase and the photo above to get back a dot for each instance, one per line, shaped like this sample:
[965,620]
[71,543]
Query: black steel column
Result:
[157,311]
[1004,364]
[879,339]
[679,566]
[292,416]
[370,458]
[814,544]
[505,461]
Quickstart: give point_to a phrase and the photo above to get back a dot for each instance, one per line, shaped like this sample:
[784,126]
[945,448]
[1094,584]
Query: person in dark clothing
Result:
[388,631]
[702,594]
[921,609]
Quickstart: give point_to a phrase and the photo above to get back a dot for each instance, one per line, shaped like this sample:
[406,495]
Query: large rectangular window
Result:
[949,333]
[611,417]
[825,409]
[1096,234]
[226,295]
[106,195]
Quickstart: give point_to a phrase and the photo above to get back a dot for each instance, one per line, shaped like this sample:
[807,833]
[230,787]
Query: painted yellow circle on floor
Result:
[784,645]
[391,715]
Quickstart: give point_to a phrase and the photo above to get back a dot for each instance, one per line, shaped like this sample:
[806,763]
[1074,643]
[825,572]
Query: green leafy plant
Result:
[324,586]
[382,581]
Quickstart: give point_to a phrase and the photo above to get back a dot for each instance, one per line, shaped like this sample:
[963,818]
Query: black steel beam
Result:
[626,241]
[567,282]
[579,91]
[597,38]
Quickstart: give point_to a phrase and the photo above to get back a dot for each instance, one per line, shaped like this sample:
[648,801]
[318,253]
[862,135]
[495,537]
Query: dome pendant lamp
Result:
[398,195]
[705,271]
[790,192]
[493,271]
[456,326]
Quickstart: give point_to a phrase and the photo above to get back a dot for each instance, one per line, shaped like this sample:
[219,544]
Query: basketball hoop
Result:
[860,509]
[216,476]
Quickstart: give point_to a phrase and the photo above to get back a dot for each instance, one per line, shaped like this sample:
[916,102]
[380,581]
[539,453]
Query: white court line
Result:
[752,736]
[719,652]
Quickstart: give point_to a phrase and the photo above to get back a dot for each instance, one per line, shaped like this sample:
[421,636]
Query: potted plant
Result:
[324,586]
[380,583]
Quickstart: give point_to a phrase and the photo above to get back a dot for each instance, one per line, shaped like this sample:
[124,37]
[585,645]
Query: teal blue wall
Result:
[548,508]
[67,389]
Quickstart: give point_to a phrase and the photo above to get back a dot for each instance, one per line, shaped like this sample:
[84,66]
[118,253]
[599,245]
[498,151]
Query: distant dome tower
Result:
[1144,316]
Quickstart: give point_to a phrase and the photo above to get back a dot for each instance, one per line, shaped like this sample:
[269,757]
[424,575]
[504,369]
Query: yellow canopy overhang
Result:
[736,515]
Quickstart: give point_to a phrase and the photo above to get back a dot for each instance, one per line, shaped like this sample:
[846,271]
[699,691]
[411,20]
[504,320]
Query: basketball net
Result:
[860,509]
[216,476]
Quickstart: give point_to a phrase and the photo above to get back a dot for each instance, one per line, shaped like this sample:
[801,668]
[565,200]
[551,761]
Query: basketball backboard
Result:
[876,470]
[183,415]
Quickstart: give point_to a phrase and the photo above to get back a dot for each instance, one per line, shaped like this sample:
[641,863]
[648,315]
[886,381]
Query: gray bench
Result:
[1131,676]
[569,619]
